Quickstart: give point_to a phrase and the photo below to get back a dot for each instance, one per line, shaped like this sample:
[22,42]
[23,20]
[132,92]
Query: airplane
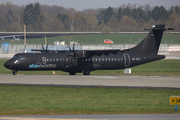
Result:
[13,38]
[85,61]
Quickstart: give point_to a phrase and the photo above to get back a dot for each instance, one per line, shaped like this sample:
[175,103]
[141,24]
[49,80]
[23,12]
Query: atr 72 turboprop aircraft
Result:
[75,61]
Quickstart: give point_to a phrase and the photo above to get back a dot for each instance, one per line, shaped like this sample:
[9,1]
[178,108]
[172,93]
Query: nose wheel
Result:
[14,72]
[86,72]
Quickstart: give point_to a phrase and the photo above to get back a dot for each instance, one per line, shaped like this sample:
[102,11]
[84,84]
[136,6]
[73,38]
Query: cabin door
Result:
[126,60]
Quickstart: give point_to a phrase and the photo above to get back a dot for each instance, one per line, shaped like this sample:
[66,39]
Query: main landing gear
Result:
[72,73]
[14,72]
[86,72]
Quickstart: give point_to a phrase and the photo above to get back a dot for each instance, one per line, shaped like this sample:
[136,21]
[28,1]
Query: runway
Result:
[96,117]
[159,82]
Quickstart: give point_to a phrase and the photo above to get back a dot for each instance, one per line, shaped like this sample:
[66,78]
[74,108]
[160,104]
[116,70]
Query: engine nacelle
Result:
[80,54]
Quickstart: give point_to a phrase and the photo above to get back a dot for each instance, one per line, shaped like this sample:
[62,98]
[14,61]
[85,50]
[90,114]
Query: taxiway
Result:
[93,81]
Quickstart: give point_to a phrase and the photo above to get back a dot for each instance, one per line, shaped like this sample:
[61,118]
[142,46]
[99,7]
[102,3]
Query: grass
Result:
[34,100]
[99,39]
[156,68]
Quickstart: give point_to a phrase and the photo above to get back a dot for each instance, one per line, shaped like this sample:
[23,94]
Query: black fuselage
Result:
[60,61]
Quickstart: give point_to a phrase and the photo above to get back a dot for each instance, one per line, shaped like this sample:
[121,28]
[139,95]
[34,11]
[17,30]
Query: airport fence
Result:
[14,49]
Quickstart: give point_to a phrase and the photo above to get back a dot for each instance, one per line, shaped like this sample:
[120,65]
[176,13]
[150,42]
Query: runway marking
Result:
[18,118]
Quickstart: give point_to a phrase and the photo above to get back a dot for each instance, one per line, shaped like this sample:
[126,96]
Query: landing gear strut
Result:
[86,72]
[14,72]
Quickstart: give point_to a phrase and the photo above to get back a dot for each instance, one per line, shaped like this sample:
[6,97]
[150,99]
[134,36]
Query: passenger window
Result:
[63,59]
[121,59]
[92,59]
[56,59]
[53,59]
[102,59]
[112,59]
[47,59]
[89,59]
[115,59]
[85,59]
[66,59]
[59,59]
[50,59]
[105,59]
[99,59]
[109,59]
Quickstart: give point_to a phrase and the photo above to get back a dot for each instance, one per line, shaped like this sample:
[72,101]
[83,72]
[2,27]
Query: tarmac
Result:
[124,81]
[96,117]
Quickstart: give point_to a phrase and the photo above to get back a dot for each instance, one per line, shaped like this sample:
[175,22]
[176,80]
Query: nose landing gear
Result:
[14,72]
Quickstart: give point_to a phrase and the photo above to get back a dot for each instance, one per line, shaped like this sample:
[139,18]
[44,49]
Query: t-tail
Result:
[150,45]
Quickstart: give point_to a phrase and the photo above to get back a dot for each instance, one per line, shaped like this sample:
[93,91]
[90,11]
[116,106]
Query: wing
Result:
[81,53]
[48,51]
[100,52]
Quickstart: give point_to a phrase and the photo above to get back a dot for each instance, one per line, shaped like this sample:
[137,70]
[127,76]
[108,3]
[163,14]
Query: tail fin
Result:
[150,45]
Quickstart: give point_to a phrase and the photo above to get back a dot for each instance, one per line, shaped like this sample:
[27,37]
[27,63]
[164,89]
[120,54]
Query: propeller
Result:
[72,51]
[73,48]
[44,50]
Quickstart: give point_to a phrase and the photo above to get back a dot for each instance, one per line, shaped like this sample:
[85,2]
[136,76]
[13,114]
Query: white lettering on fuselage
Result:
[48,66]
[42,65]
[136,59]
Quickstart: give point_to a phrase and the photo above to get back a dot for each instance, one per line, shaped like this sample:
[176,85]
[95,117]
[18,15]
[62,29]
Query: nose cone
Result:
[7,65]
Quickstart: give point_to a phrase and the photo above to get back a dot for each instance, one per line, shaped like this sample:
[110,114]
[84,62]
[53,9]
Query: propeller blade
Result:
[42,48]
[73,47]
[70,48]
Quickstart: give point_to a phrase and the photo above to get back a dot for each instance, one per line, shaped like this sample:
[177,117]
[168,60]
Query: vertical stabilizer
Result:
[150,45]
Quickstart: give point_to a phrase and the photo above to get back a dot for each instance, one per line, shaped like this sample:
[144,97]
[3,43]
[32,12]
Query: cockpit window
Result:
[14,57]
[18,57]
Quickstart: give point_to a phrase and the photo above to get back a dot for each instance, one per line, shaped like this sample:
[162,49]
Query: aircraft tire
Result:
[14,72]
[72,73]
[86,72]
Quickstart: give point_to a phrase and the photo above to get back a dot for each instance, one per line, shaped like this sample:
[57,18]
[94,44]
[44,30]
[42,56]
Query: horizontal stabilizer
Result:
[154,28]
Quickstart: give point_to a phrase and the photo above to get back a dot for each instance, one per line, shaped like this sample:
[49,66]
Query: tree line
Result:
[44,18]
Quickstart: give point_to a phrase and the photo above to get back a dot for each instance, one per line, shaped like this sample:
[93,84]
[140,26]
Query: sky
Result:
[94,4]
